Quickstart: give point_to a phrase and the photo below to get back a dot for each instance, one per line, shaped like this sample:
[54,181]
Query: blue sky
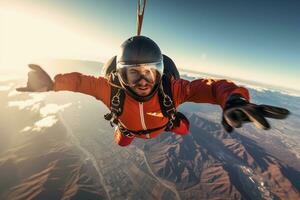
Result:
[257,40]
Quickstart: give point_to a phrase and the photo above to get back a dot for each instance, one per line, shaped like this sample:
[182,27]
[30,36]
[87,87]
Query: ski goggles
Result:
[131,75]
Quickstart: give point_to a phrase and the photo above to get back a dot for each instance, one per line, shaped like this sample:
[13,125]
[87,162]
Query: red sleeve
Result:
[206,91]
[90,85]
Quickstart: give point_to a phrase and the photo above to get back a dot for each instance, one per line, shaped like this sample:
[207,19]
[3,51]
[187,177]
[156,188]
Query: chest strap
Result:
[131,133]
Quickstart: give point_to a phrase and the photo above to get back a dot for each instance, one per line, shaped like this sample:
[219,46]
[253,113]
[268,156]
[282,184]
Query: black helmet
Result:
[140,51]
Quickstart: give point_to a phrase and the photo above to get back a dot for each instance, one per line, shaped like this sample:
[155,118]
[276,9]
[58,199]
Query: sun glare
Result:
[25,38]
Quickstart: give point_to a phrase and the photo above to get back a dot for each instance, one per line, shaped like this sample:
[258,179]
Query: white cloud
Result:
[53,109]
[23,104]
[27,104]
[290,93]
[45,123]
[13,93]
[262,89]
[38,95]
[4,88]
[35,107]
[47,112]
[26,129]
[258,87]
[254,87]
[8,77]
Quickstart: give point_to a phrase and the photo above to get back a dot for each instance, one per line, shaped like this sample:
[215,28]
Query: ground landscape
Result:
[58,146]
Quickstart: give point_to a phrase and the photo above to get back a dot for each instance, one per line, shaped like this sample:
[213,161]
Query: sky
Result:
[257,40]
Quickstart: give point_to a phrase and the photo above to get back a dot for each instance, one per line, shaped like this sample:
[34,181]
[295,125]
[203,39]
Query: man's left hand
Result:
[238,111]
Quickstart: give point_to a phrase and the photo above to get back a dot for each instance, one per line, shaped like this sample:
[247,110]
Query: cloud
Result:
[39,125]
[13,93]
[290,93]
[4,88]
[53,109]
[29,103]
[254,87]
[35,107]
[7,77]
[45,123]
[263,89]
[258,87]
[22,104]
[47,112]
[26,129]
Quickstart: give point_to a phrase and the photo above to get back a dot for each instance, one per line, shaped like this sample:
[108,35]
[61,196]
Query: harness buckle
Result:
[171,113]
[170,125]
[111,124]
[125,132]
[108,116]
[114,110]
[116,99]
[167,101]
[128,134]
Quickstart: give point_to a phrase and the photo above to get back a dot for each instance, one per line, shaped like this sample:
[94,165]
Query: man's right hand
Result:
[38,80]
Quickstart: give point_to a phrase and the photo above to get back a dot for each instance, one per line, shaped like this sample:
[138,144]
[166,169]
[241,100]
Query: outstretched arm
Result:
[97,87]
[40,81]
[206,91]
[234,101]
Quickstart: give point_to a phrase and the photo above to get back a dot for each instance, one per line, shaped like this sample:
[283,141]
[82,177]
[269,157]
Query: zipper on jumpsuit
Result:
[141,108]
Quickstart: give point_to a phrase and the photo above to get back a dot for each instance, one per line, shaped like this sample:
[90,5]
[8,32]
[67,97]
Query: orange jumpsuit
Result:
[147,115]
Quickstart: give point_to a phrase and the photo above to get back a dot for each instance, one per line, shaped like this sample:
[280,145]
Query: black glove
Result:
[38,80]
[238,111]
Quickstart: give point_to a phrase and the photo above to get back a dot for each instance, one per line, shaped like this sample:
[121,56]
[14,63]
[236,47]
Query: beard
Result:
[143,89]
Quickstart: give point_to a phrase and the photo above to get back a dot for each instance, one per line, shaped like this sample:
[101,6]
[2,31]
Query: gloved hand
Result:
[38,80]
[238,111]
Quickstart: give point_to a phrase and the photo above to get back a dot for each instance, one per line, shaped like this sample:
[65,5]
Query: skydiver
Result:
[140,105]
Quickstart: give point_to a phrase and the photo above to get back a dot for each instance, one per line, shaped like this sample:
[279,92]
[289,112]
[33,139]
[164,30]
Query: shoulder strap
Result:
[109,67]
[166,98]
[170,68]
[165,92]
[117,96]
[117,99]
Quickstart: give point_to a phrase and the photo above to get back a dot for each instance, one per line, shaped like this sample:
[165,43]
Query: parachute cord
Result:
[140,15]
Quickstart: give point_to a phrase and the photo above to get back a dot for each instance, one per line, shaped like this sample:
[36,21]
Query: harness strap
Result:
[166,101]
[117,99]
[130,133]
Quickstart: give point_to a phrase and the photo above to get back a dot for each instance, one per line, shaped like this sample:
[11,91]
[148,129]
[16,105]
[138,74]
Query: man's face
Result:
[141,80]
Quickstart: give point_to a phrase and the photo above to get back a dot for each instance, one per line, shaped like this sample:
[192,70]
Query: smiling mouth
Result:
[143,88]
